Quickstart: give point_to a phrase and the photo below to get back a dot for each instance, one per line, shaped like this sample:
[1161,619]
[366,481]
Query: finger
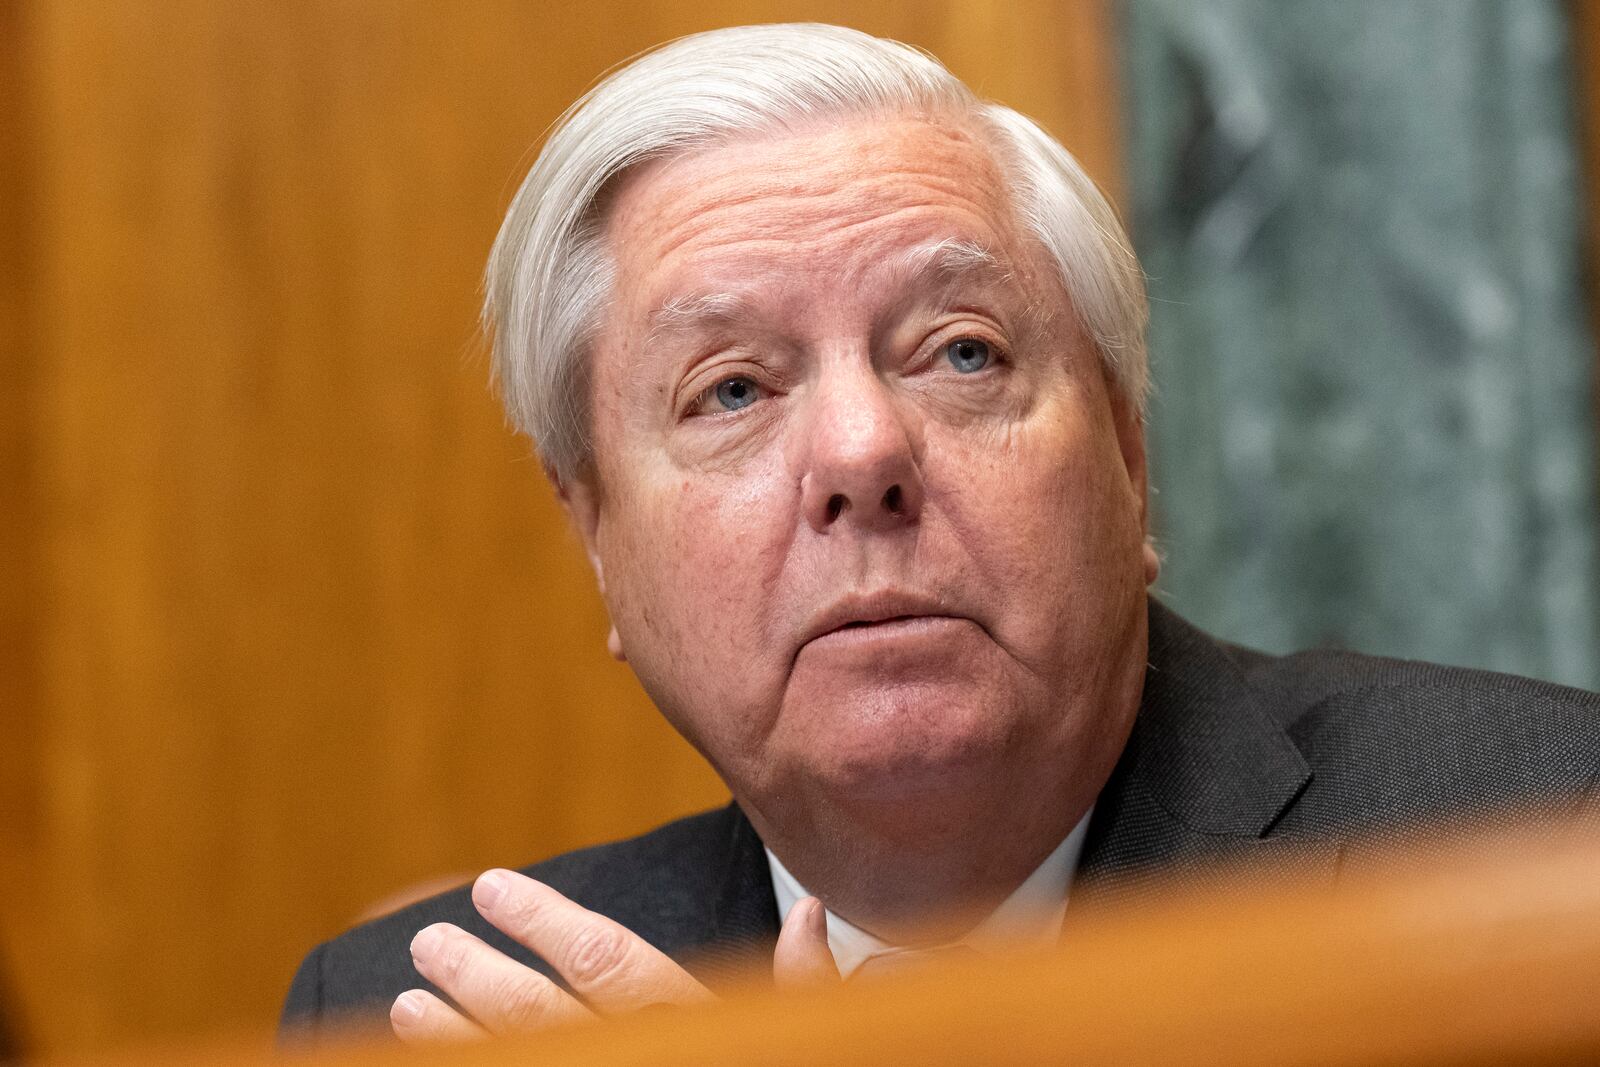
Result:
[419,1018]
[802,957]
[607,964]
[502,995]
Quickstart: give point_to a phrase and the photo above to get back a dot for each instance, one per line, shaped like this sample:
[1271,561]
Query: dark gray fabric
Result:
[1238,756]
[1235,755]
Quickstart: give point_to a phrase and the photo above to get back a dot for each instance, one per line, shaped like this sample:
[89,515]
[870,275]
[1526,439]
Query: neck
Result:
[931,885]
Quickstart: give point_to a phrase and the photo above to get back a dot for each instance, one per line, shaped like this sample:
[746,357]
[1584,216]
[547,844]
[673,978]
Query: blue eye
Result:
[967,355]
[735,393]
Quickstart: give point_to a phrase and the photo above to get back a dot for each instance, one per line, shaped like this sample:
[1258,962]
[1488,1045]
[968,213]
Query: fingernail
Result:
[408,1005]
[489,889]
[425,944]
[818,918]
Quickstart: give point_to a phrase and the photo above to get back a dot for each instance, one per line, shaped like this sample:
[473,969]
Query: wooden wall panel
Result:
[17,630]
[20,621]
[308,626]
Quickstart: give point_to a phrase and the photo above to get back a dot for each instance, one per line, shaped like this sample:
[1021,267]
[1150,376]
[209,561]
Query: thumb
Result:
[802,957]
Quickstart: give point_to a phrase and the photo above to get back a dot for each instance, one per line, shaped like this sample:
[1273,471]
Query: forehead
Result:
[835,197]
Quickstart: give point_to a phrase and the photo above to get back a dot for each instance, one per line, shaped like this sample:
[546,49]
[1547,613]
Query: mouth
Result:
[919,643]
[882,624]
[883,614]
[861,623]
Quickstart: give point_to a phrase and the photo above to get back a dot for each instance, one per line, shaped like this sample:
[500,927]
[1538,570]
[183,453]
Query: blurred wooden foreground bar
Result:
[1487,951]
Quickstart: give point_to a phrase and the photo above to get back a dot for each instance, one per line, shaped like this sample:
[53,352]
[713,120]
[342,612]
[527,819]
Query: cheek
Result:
[682,561]
[689,566]
[1055,530]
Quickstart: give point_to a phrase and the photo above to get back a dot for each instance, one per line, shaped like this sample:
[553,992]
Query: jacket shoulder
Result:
[1396,741]
[656,884]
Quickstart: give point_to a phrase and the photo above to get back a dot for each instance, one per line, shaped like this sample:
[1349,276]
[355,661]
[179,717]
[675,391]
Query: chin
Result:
[918,755]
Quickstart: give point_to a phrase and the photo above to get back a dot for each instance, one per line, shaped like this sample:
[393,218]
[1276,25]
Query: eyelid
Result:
[712,366]
[697,405]
[957,330]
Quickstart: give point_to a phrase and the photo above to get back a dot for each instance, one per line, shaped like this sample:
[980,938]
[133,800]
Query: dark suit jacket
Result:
[1235,755]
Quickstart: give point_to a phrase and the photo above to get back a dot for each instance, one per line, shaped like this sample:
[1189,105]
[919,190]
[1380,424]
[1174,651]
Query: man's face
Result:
[868,516]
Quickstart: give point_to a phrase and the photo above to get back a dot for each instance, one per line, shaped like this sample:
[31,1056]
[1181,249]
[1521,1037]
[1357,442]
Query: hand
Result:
[611,969]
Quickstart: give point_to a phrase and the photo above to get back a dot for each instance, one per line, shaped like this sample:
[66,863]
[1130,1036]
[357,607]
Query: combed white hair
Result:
[550,272]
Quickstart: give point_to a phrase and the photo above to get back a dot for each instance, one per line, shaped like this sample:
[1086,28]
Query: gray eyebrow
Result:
[946,260]
[941,270]
[683,313]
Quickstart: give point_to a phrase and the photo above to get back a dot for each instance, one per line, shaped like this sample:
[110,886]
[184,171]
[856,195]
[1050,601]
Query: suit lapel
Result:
[747,909]
[743,921]
[1206,774]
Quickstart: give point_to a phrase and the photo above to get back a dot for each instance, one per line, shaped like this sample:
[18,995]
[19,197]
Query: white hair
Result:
[550,273]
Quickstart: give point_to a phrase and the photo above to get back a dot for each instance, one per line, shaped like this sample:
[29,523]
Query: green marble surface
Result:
[1374,424]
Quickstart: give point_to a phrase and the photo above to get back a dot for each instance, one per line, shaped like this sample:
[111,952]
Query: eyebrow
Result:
[935,272]
[948,260]
[945,262]
[683,313]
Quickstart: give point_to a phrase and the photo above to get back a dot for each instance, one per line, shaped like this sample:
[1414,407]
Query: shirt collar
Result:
[1029,918]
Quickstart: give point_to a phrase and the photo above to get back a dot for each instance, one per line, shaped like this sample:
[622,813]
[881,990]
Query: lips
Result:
[877,609]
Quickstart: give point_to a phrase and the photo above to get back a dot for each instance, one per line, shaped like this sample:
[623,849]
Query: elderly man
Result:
[839,372]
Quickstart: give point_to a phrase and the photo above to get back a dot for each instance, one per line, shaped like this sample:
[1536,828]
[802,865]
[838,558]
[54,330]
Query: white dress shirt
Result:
[1029,918]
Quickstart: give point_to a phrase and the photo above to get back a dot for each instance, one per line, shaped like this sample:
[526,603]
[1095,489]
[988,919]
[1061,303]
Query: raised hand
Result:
[609,968]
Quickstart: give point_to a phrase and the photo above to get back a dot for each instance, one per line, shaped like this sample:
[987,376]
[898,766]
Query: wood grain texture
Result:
[17,483]
[20,611]
[1488,952]
[302,625]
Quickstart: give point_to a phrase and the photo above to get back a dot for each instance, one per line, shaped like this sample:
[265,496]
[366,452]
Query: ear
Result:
[1130,442]
[580,499]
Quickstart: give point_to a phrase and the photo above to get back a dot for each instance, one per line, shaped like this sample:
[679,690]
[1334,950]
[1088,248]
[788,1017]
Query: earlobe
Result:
[582,504]
[1130,442]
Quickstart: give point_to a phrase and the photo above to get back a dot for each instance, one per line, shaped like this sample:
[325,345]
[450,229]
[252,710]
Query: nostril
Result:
[836,505]
[893,500]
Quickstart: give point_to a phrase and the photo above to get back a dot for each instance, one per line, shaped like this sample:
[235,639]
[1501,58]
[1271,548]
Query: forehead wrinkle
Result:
[772,242]
[936,259]
[796,208]
[767,211]
[794,171]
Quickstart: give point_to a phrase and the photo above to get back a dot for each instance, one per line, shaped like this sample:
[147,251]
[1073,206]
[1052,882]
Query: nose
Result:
[862,458]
